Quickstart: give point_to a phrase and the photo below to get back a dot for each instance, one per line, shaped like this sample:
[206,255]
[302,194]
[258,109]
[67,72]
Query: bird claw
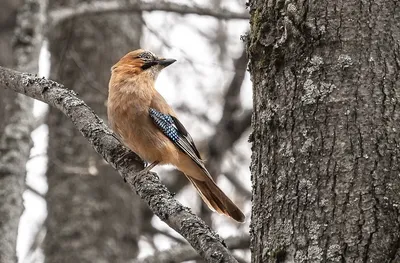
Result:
[147,169]
[141,173]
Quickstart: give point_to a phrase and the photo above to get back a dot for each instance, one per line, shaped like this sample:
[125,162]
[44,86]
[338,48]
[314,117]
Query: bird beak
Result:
[165,61]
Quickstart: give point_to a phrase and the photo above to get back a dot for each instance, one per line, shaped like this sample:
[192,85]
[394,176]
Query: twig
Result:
[185,253]
[39,121]
[170,236]
[202,116]
[94,8]
[229,129]
[232,177]
[204,240]
[36,192]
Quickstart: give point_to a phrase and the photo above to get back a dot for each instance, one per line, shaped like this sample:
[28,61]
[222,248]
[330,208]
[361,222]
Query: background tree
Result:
[19,51]
[92,214]
[79,200]
[10,186]
[325,164]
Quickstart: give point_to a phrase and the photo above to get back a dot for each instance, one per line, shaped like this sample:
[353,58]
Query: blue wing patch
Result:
[165,123]
[176,132]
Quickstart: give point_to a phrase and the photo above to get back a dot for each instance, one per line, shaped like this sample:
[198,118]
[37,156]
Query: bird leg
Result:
[145,170]
[117,137]
[148,168]
[151,166]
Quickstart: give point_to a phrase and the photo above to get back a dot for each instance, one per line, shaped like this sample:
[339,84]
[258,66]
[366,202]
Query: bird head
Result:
[142,62]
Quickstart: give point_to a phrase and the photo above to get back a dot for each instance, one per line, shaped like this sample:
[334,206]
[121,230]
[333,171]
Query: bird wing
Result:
[212,195]
[177,133]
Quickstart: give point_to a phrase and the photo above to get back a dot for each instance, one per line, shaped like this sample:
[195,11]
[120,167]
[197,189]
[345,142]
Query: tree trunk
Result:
[16,119]
[93,216]
[326,147]
[11,187]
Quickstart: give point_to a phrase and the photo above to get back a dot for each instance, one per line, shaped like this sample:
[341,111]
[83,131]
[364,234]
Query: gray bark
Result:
[204,240]
[93,216]
[16,115]
[325,165]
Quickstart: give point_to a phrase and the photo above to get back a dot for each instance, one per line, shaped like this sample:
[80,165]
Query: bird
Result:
[148,126]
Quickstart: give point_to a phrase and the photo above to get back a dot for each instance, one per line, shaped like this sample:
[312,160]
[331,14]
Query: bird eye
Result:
[146,56]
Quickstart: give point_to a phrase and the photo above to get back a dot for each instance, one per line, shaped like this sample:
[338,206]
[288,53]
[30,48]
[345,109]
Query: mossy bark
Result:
[326,145]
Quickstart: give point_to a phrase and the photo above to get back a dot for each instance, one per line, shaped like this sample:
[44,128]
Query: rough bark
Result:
[16,114]
[205,241]
[93,216]
[325,165]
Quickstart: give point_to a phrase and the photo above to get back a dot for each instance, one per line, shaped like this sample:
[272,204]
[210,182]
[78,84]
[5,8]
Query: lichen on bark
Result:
[325,140]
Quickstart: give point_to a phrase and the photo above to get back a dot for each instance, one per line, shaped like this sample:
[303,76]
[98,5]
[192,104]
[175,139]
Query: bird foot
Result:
[145,170]
[142,172]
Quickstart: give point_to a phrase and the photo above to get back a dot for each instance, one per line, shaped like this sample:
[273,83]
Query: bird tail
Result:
[215,199]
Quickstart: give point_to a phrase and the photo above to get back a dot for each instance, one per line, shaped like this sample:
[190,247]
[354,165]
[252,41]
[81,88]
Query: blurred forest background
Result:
[76,208]
[325,134]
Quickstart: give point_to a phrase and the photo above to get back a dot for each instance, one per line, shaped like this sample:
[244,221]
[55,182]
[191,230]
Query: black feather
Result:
[184,141]
[149,64]
[182,130]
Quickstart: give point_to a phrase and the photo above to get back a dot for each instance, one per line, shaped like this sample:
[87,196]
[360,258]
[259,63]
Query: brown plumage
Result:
[150,128]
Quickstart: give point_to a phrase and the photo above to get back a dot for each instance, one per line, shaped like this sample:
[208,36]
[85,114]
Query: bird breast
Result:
[129,118]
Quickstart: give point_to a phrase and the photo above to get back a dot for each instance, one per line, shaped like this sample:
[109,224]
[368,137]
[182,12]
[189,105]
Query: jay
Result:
[147,125]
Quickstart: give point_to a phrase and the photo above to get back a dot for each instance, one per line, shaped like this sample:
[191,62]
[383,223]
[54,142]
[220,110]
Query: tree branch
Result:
[94,8]
[233,178]
[185,253]
[230,129]
[33,190]
[204,240]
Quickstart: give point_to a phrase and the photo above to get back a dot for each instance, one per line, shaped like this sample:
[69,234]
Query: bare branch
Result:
[230,127]
[233,178]
[38,121]
[201,116]
[204,240]
[185,253]
[94,8]
[169,235]
[33,190]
